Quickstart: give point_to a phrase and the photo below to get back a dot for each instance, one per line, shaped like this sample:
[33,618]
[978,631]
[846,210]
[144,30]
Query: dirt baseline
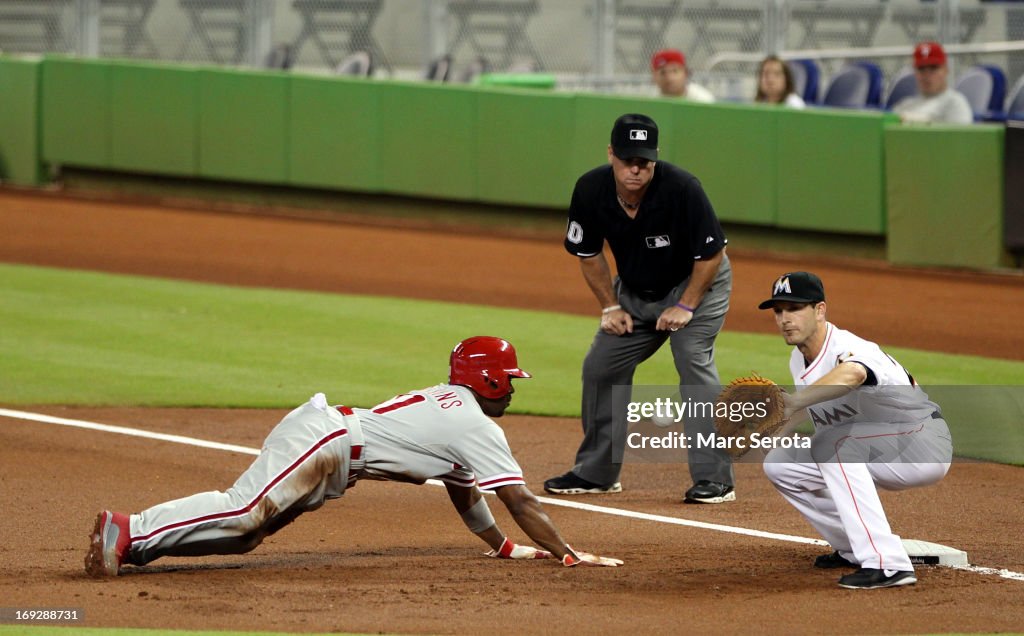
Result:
[396,558]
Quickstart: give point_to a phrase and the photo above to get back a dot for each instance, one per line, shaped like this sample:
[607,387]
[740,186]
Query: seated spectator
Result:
[936,102]
[775,84]
[668,67]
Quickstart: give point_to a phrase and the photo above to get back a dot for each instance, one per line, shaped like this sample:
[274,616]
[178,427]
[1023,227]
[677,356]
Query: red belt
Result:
[355,454]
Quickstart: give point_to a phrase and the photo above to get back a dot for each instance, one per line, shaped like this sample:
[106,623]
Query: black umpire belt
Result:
[649,295]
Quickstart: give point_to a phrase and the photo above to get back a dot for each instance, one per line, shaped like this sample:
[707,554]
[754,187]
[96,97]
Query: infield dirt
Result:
[396,558]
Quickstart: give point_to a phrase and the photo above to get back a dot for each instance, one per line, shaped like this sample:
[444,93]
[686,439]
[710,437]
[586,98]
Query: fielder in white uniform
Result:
[318,451]
[874,427]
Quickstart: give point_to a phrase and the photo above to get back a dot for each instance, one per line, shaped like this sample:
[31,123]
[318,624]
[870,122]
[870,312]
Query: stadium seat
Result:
[805,79]
[984,86]
[903,85]
[357,64]
[439,69]
[523,65]
[473,70]
[279,58]
[856,85]
[1015,101]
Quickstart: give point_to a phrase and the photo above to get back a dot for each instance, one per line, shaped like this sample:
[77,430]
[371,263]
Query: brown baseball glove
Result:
[748,406]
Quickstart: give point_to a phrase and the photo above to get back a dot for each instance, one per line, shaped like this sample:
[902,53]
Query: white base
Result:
[927,553]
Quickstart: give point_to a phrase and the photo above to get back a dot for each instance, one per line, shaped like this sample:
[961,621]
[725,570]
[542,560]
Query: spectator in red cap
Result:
[936,102]
[668,67]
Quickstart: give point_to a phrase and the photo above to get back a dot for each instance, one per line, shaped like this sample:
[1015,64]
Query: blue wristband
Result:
[686,307]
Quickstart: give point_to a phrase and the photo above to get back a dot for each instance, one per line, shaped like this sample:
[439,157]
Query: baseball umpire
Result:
[673,283]
[318,451]
[874,427]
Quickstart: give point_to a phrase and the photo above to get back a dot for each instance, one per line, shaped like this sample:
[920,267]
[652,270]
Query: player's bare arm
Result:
[465,501]
[846,377]
[614,319]
[530,516]
[703,275]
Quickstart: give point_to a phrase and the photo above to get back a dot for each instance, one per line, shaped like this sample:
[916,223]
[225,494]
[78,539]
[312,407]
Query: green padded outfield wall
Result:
[945,191]
[731,148]
[19,121]
[830,170]
[334,133]
[154,115]
[243,125]
[525,147]
[428,140]
[823,170]
[76,112]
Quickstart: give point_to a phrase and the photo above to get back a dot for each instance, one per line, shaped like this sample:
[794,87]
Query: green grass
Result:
[74,337]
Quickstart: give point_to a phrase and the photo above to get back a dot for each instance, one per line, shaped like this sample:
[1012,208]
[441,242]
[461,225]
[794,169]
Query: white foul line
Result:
[122,430]
[1006,574]
[191,441]
[679,522]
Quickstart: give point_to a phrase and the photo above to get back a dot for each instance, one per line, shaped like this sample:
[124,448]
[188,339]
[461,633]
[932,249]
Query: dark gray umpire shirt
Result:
[654,252]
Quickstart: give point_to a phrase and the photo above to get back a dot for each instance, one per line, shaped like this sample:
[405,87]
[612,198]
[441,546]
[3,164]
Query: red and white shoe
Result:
[110,540]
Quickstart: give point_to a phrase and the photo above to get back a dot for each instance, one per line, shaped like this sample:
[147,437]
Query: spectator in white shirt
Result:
[668,67]
[936,102]
[775,84]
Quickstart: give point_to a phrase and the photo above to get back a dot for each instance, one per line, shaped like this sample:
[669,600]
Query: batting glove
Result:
[585,558]
[509,550]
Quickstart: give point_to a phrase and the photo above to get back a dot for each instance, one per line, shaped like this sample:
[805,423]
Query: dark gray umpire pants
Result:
[612,360]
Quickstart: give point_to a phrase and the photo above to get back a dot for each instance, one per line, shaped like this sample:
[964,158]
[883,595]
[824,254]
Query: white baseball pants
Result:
[304,461]
[833,483]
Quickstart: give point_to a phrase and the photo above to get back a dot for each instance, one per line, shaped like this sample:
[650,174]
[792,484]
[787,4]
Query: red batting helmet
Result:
[485,364]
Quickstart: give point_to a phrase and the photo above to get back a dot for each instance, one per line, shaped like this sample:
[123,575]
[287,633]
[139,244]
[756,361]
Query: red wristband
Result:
[505,551]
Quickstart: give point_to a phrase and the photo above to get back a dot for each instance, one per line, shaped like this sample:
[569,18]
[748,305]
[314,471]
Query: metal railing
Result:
[589,44]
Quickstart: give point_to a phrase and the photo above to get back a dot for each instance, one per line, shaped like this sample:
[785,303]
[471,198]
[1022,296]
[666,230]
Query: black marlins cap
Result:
[635,136]
[796,287]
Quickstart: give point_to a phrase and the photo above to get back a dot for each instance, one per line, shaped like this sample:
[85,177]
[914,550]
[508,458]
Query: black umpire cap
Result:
[635,135]
[796,287]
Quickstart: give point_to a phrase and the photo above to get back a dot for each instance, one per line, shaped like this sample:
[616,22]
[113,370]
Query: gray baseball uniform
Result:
[315,453]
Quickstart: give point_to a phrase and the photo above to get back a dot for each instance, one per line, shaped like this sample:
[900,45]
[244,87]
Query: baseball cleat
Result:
[110,539]
[834,560]
[710,492]
[870,579]
[572,484]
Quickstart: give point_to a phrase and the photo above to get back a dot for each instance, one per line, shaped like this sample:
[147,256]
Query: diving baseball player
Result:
[319,451]
[874,427]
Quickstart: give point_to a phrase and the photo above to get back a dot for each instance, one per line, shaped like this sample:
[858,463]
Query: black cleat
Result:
[870,578]
[832,561]
[710,492]
[572,484]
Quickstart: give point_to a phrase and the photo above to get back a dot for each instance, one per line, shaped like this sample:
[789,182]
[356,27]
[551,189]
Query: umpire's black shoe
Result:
[870,578]
[832,561]
[572,484]
[711,492]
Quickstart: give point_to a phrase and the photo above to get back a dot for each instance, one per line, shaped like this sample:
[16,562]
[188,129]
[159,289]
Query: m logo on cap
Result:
[782,286]
[638,135]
